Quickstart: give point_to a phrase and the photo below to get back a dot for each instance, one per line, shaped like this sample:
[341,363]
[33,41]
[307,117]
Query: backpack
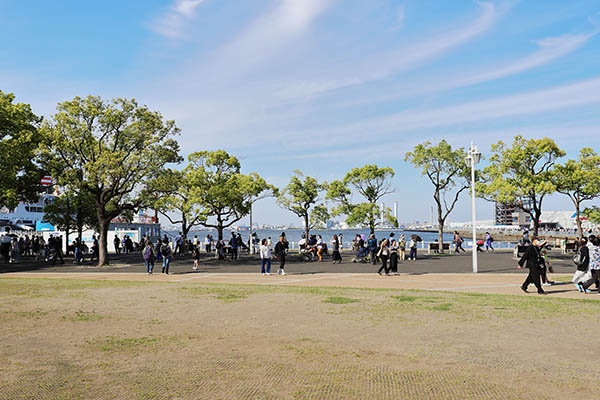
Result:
[147,253]
[165,250]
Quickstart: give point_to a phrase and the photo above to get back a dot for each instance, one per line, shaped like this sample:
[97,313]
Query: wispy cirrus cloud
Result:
[171,24]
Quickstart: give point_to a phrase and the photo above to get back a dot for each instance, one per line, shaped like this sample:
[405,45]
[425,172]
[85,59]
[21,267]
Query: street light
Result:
[473,158]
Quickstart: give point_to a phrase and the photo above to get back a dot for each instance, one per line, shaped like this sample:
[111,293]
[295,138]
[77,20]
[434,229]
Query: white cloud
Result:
[172,23]
[560,97]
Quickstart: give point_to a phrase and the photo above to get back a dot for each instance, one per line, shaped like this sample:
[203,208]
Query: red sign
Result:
[46,181]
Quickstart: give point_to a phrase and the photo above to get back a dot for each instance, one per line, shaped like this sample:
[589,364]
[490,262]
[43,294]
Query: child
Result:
[196,256]
[265,258]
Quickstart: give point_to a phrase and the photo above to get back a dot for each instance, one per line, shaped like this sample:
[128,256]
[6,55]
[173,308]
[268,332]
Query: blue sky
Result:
[322,85]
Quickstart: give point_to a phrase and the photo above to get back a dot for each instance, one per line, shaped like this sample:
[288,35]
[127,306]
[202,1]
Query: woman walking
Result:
[320,247]
[149,257]
[265,258]
[594,249]
[196,256]
[583,254]
[488,242]
[335,245]
[394,257]
[383,254]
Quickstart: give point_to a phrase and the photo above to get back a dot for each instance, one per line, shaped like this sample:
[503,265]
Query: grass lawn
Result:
[69,339]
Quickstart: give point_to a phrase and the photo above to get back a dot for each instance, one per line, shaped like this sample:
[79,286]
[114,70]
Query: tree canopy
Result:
[19,140]
[579,180]
[447,171]
[302,194]
[372,183]
[220,189]
[521,175]
[109,149]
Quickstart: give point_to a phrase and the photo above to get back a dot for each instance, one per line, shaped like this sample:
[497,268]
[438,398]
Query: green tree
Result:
[109,149]
[302,194]
[19,140]
[220,189]
[579,179]
[72,211]
[372,183]
[447,171]
[172,191]
[521,175]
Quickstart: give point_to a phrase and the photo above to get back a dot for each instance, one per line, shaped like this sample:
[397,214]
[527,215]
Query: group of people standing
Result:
[280,253]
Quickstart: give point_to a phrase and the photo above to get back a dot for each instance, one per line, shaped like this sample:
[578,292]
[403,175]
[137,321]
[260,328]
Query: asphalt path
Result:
[496,262]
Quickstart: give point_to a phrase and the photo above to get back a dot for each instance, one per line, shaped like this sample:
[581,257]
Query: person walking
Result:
[149,257]
[117,244]
[412,245]
[281,250]
[394,257]
[335,246]
[265,258]
[234,246]
[594,250]
[402,247]
[458,241]
[488,242]
[165,249]
[383,254]
[531,260]
[319,247]
[372,247]
[583,253]
[196,257]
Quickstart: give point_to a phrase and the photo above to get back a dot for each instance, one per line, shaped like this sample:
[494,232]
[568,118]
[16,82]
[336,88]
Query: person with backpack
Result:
[582,261]
[458,241]
[335,246]
[394,257]
[412,255]
[165,249]
[488,242]
[402,247]
[149,257]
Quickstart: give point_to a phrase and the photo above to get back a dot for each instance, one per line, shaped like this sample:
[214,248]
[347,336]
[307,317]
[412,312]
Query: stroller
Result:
[362,255]
[50,255]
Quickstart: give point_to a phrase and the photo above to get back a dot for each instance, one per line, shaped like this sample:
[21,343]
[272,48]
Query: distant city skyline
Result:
[323,85]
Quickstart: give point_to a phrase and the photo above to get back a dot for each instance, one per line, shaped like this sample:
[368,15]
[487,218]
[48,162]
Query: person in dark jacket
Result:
[531,259]
[281,249]
[372,248]
[583,266]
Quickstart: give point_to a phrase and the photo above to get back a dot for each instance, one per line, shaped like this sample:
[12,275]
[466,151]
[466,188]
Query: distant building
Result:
[512,215]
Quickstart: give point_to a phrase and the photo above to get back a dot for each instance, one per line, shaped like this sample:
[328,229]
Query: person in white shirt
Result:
[265,258]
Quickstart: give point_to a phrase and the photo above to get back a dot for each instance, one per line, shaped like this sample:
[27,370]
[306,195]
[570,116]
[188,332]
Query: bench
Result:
[435,247]
[519,250]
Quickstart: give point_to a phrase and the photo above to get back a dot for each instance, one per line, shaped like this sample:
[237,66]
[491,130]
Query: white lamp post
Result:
[473,158]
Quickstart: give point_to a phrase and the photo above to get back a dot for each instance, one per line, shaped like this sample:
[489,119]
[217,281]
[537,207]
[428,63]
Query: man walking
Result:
[531,258]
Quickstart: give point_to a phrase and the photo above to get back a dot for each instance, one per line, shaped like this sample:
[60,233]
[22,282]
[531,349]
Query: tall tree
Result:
[72,211]
[109,149]
[579,179]
[173,192]
[372,183]
[447,171]
[19,140]
[219,187]
[521,175]
[300,195]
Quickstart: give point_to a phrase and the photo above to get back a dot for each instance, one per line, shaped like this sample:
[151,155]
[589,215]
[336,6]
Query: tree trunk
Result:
[579,231]
[220,229]
[537,213]
[103,242]
[306,226]
[441,234]
[184,230]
